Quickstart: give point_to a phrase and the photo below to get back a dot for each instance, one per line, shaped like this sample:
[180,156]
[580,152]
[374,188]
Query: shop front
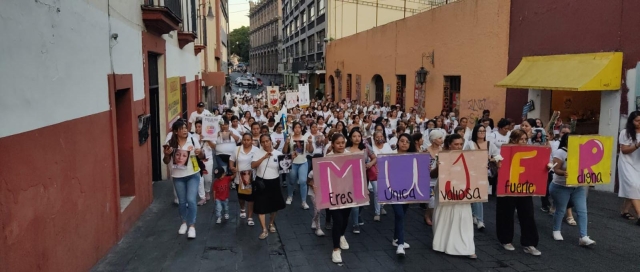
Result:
[584,88]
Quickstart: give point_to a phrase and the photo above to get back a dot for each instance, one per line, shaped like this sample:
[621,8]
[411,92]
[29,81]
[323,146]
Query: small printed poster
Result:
[284,163]
[298,147]
[210,127]
[180,158]
[246,177]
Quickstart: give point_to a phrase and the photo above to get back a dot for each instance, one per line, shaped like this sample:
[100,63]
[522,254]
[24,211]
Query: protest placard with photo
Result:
[210,127]
[246,177]
[463,177]
[284,163]
[180,158]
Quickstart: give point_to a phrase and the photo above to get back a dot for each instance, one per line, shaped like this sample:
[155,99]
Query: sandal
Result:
[264,235]
[627,216]
[571,221]
[272,228]
[250,222]
[243,214]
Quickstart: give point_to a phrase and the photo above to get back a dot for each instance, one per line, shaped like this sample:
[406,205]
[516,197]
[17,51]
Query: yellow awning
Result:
[577,72]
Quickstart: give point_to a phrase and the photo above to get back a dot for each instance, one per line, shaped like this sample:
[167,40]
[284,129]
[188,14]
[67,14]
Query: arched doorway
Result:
[378,84]
[332,83]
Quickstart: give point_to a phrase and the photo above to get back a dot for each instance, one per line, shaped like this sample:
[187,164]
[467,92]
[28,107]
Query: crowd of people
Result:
[252,136]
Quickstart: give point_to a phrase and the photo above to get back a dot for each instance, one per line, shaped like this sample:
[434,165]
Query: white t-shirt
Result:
[275,137]
[562,155]
[268,169]
[190,145]
[194,116]
[393,123]
[498,139]
[236,110]
[243,160]
[386,149]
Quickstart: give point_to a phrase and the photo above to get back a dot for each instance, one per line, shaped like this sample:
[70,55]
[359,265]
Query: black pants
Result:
[545,199]
[505,210]
[340,221]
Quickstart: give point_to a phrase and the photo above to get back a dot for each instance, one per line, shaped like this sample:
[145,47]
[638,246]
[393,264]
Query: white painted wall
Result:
[181,62]
[610,126]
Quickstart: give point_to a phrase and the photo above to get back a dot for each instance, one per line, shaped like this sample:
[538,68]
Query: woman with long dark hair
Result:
[298,146]
[479,142]
[355,144]
[406,144]
[507,206]
[453,223]
[629,162]
[563,194]
[185,173]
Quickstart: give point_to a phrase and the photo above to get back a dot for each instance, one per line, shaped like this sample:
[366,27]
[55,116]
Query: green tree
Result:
[239,43]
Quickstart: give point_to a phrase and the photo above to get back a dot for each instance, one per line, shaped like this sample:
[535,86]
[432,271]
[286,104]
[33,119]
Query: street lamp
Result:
[421,74]
[338,72]
[210,12]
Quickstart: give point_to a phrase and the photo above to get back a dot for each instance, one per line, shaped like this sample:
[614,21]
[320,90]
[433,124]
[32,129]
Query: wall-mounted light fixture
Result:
[338,72]
[421,74]
[210,12]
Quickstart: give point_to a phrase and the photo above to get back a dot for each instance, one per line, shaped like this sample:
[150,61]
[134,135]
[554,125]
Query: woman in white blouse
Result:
[479,142]
[298,146]
[267,195]
[241,161]
[629,162]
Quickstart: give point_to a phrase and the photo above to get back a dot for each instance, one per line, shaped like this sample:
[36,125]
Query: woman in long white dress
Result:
[453,223]
[629,162]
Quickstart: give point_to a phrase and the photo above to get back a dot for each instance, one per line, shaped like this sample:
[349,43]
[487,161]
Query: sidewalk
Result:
[154,245]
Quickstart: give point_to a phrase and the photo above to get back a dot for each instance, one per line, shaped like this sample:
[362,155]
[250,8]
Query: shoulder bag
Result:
[259,181]
[372,172]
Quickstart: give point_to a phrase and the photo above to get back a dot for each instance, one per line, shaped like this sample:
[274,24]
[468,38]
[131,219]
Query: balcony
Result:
[303,30]
[185,38]
[161,17]
[198,48]
[320,19]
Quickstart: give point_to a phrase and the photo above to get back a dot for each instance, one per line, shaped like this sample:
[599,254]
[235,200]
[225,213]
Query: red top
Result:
[221,188]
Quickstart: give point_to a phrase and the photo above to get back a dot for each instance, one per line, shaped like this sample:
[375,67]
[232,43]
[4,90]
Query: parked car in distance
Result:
[242,81]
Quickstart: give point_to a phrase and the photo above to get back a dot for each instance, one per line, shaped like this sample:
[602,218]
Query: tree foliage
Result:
[239,43]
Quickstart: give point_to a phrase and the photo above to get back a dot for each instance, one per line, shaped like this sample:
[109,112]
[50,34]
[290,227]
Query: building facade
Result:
[304,33]
[212,40]
[348,17]
[90,94]
[265,22]
[381,64]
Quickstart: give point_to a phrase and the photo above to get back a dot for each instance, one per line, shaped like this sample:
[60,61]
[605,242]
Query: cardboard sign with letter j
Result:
[340,182]
[589,160]
[462,177]
[523,171]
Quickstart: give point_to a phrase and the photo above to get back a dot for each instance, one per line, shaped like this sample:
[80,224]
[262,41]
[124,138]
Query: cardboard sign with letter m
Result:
[340,182]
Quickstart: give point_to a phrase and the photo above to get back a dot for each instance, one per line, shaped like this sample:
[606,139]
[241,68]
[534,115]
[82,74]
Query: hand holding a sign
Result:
[168,150]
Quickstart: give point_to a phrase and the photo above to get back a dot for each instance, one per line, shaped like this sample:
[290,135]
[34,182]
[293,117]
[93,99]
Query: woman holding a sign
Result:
[479,142]
[405,145]
[298,146]
[356,145]
[436,137]
[629,162]
[240,162]
[563,194]
[452,223]
[506,206]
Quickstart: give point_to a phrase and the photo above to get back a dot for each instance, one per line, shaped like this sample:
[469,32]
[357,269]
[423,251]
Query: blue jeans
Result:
[561,196]
[374,196]
[187,191]
[222,164]
[298,173]
[477,210]
[222,204]
[399,210]
[355,215]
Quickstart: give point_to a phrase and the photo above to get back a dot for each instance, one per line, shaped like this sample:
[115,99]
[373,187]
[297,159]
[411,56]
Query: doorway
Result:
[379,87]
[124,145]
[154,119]
[401,85]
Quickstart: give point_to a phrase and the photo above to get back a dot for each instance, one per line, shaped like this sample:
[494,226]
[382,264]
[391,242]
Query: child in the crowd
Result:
[221,192]
[315,223]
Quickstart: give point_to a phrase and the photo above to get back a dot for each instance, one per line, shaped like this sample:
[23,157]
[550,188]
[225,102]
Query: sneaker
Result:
[343,243]
[395,244]
[376,218]
[226,216]
[305,206]
[183,229]
[382,211]
[400,250]
[313,225]
[480,226]
[356,229]
[557,235]
[192,233]
[336,257]
[328,225]
[219,220]
[509,247]
[586,241]
[319,232]
[175,201]
[289,199]
[532,250]
[360,221]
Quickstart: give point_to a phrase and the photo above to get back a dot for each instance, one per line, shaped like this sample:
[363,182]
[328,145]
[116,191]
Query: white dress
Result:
[629,169]
[453,229]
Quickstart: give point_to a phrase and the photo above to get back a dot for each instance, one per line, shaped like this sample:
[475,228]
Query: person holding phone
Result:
[297,145]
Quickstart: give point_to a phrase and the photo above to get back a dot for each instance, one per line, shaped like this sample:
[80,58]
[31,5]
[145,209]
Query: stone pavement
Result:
[154,245]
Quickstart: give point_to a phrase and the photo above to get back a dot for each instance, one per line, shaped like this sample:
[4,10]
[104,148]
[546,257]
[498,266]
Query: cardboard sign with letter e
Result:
[404,178]
[523,171]
[340,182]
[462,177]
[589,160]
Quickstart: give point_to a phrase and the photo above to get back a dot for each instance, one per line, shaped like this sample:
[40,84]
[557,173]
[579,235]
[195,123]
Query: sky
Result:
[238,14]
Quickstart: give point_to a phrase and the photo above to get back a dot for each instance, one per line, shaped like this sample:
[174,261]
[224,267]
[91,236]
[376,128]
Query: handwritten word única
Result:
[399,194]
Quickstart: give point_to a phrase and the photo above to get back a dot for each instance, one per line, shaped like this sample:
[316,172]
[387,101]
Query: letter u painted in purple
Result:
[353,166]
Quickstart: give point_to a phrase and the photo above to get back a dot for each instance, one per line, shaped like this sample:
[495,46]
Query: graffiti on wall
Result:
[358,88]
[474,107]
